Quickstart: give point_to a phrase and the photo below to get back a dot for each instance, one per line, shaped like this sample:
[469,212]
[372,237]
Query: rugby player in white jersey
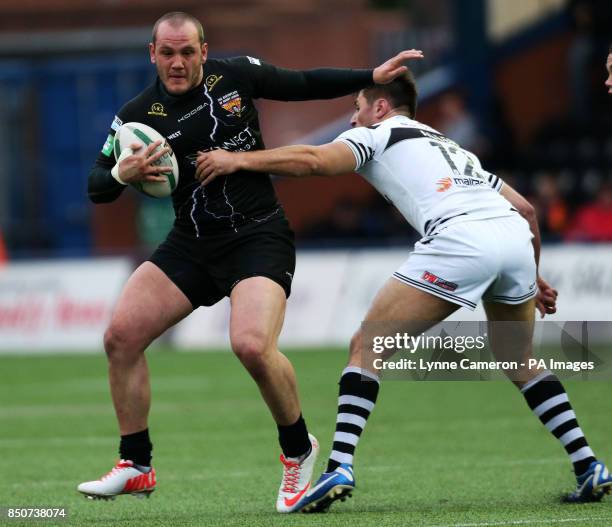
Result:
[480,241]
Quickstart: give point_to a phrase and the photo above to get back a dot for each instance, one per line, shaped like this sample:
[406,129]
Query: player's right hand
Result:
[394,67]
[546,299]
[140,165]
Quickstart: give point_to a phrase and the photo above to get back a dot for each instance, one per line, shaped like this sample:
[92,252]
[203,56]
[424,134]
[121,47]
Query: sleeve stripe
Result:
[495,182]
[363,151]
[356,151]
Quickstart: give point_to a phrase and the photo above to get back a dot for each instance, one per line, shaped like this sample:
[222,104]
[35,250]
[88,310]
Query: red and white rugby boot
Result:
[124,478]
[296,479]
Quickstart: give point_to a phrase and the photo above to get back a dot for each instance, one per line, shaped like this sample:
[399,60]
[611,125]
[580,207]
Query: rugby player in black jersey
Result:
[230,238]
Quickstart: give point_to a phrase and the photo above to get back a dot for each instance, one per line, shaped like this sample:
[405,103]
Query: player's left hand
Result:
[394,67]
[546,299]
[210,165]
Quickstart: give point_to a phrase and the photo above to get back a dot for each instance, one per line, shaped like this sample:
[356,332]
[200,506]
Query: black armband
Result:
[102,186]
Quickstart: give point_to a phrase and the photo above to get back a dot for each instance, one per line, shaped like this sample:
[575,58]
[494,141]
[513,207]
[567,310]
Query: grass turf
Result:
[434,453]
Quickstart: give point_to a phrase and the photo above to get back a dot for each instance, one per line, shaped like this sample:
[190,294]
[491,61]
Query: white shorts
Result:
[490,259]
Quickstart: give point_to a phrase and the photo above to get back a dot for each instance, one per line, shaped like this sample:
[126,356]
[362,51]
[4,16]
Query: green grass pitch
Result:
[434,453]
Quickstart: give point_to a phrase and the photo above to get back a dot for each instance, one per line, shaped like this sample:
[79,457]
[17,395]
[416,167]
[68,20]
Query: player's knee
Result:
[121,343]
[251,348]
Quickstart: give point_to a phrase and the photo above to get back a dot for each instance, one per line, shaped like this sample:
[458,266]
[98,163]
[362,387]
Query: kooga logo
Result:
[193,112]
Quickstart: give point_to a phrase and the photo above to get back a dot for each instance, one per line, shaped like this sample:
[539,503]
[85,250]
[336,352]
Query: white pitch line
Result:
[209,476]
[527,522]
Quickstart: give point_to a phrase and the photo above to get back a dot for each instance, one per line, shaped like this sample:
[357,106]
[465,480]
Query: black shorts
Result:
[206,269]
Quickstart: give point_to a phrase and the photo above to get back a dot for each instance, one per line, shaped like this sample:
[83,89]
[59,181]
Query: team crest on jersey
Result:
[440,282]
[232,103]
[444,184]
[212,80]
[157,108]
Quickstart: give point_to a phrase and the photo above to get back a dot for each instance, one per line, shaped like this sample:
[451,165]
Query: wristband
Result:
[115,170]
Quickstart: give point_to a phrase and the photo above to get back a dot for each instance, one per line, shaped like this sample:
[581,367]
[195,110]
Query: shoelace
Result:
[291,475]
[117,468]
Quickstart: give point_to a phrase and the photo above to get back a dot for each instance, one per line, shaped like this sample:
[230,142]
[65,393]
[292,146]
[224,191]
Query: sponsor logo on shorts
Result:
[289,275]
[212,80]
[255,61]
[157,108]
[231,103]
[440,282]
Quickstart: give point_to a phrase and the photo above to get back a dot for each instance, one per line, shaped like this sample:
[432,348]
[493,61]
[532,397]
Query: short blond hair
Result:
[176,19]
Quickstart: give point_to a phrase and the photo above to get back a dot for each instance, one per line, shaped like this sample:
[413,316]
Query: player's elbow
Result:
[305,164]
[527,210]
[316,164]
[97,198]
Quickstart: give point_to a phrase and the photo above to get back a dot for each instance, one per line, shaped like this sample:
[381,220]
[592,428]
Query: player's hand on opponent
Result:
[395,67]
[140,165]
[546,299]
[210,165]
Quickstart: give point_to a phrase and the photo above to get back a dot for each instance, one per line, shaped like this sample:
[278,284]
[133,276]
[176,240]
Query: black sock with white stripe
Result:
[547,399]
[357,397]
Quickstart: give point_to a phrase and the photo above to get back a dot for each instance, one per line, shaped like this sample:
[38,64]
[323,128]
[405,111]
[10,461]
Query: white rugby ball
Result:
[138,133]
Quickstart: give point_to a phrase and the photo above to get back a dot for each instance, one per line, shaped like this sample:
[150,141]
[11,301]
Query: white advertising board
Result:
[58,305]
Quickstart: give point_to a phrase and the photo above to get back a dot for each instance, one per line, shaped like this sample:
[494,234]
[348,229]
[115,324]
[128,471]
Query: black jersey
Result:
[220,113]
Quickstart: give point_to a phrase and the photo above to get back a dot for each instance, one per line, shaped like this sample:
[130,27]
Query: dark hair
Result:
[401,93]
[176,19]
[610,49]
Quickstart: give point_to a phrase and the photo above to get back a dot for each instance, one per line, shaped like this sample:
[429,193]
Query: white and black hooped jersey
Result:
[429,178]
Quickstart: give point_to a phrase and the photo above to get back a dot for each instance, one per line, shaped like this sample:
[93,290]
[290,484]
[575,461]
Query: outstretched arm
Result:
[271,82]
[294,161]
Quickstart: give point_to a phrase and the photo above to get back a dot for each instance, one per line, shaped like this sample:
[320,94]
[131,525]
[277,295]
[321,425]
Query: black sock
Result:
[294,439]
[137,448]
[547,399]
[357,397]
